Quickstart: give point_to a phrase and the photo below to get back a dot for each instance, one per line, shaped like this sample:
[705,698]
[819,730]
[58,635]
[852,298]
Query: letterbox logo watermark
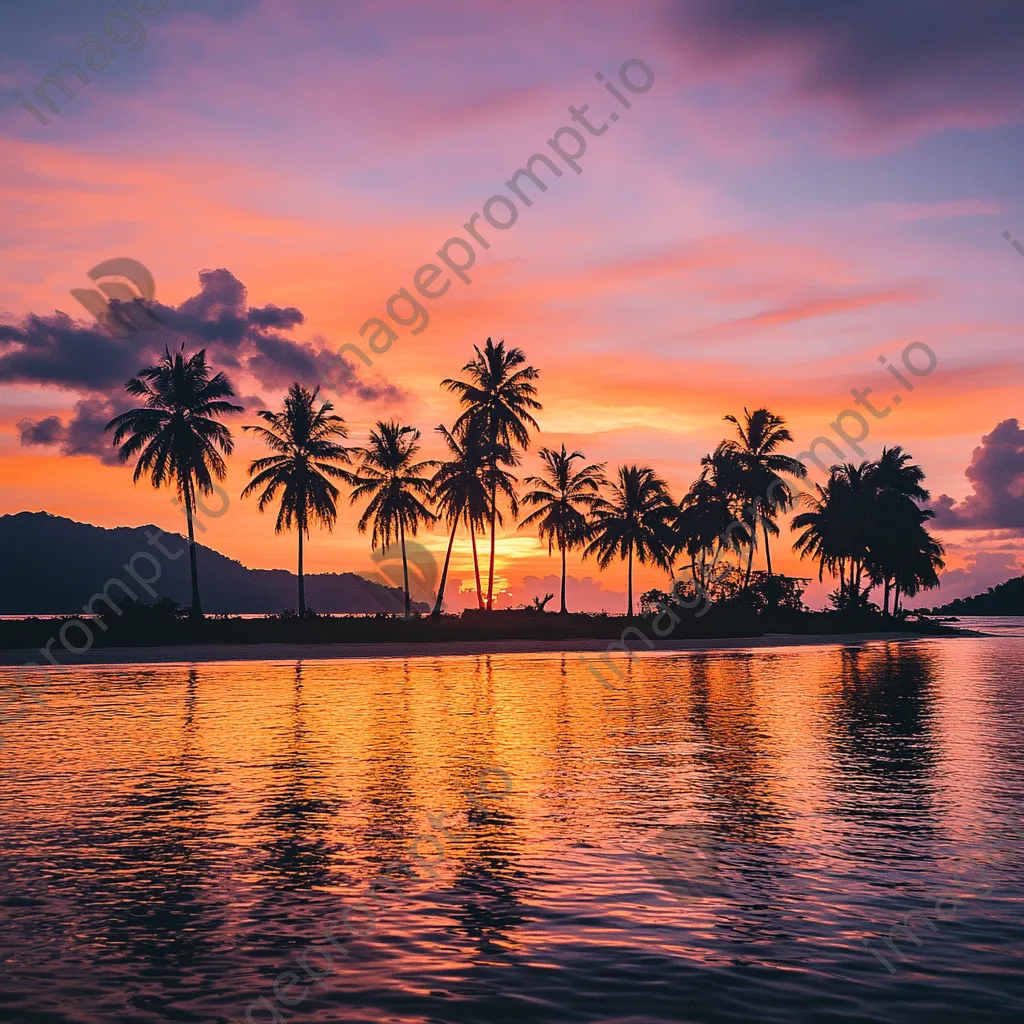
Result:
[120,308]
[423,573]
[683,860]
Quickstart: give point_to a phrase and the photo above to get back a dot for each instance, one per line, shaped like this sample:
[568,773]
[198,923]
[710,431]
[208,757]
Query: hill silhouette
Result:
[1005,599]
[53,565]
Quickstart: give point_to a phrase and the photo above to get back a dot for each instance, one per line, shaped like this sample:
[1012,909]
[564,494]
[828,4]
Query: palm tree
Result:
[897,527]
[854,496]
[866,520]
[760,434]
[893,473]
[462,495]
[176,434]
[702,524]
[391,477]
[303,438]
[824,535]
[919,568]
[565,498]
[730,480]
[499,397]
[633,522]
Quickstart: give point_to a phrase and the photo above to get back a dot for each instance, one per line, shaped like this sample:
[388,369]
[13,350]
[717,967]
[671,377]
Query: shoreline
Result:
[178,654]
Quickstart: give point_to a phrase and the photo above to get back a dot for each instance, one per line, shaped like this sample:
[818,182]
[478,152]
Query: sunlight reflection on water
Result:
[711,842]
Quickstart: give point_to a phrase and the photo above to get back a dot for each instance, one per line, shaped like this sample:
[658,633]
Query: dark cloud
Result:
[274,316]
[996,474]
[60,352]
[278,362]
[889,57]
[47,432]
[83,434]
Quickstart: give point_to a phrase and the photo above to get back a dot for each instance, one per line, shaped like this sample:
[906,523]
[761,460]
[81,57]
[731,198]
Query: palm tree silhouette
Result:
[702,524]
[866,520]
[303,438]
[824,538]
[391,478]
[565,498]
[897,537]
[917,568]
[729,476]
[499,398]
[176,434]
[760,434]
[634,521]
[462,493]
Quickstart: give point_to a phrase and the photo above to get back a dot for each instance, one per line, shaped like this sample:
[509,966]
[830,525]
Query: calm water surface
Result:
[713,842]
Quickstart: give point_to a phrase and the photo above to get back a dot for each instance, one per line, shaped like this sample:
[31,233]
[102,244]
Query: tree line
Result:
[865,526]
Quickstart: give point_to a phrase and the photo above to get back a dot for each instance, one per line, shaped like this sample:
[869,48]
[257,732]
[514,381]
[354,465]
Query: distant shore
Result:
[198,653]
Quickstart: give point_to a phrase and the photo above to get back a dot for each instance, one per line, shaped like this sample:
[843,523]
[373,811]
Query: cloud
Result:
[585,595]
[83,434]
[996,474]
[950,63]
[60,352]
[983,569]
[57,351]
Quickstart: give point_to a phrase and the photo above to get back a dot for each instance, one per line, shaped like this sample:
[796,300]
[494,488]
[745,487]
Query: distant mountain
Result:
[1006,599]
[52,565]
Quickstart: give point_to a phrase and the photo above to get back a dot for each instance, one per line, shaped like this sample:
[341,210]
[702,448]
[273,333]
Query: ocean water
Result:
[797,834]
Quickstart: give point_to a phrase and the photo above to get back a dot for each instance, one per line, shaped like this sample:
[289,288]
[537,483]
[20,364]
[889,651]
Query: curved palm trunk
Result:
[767,549]
[494,523]
[196,612]
[885,598]
[629,585]
[405,569]
[750,562]
[302,581]
[444,572]
[476,569]
[562,612]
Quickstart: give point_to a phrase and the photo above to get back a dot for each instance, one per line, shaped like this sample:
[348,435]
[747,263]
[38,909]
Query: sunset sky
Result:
[785,204]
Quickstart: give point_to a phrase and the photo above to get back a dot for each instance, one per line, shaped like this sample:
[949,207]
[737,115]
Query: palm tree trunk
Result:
[494,524]
[767,549]
[444,572]
[563,579]
[476,569]
[302,582]
[405,569]
[750,561]
[629,587]
[196,612]
[885,599]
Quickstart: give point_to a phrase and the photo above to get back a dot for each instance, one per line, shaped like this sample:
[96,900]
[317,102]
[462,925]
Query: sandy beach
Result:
[189,654]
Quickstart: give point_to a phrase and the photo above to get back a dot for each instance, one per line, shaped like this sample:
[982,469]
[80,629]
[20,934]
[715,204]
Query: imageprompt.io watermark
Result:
[423,570]
[119,308]
[499,213]
[121,27]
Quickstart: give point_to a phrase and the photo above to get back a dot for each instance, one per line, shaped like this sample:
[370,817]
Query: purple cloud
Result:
[83,434]
[996,474]
[57,351]
[890,60]
[983,569]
